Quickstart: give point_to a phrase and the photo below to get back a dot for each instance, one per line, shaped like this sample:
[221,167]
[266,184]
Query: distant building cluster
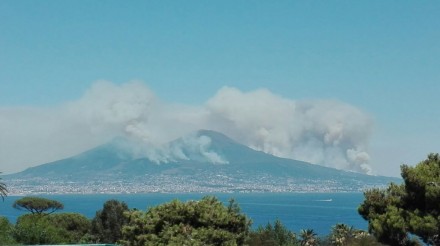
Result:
[203,183]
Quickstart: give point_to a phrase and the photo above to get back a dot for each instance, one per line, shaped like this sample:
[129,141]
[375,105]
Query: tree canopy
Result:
[412,207]
[272,235]
[72,227]
[204,222]
[6,230]
[38,205]
[33,229]
[308,237]
[60,228]
[108,222]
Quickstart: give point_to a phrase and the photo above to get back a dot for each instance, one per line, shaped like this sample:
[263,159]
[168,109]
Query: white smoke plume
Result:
[194,147]
[325,132]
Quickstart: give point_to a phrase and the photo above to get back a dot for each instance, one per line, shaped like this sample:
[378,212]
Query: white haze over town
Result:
[325,132]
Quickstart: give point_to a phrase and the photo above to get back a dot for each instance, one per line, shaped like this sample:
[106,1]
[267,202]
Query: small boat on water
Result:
[325,200]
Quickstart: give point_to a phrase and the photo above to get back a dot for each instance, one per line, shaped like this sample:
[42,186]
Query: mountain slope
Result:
[204,159]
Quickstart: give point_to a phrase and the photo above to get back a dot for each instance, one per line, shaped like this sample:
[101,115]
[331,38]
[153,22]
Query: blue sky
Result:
[380,56]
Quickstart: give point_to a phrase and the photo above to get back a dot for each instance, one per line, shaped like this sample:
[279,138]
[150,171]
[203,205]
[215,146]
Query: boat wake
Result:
[325,200]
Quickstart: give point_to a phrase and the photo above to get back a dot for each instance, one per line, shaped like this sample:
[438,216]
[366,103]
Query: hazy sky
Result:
[380,57]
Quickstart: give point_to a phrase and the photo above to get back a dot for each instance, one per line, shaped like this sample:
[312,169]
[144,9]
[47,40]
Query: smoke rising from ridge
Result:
[325,132]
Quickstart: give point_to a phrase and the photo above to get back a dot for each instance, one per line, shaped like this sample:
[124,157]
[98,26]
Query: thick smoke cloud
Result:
[324,132]
[330,133]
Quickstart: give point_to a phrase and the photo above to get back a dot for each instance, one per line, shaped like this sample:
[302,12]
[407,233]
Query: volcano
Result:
[204,161]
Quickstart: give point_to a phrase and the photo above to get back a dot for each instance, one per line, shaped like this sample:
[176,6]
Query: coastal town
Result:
[214,183]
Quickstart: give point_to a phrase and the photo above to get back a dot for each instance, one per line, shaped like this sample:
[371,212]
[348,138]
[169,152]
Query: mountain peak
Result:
[217,138]
[212,134]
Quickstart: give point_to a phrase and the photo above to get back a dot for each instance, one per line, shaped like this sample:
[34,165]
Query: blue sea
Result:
[317,211]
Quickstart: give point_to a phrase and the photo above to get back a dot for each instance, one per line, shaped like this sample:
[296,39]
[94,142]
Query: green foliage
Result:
[65,228]
[6,230]
[308,238]
[108,222]
[204,222]
[412,207]
[341,233]
[3,190]
[32,229]
[72,227]
[364,240]
[344,235]
[276,235]
[38,205]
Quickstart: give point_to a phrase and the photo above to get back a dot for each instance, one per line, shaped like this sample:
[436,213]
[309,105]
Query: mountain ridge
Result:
[202,159]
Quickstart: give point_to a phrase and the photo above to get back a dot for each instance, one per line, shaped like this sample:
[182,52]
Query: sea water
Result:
[317,211]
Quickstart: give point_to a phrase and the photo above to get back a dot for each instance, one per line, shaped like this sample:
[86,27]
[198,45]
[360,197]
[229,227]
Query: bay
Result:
[317,211]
